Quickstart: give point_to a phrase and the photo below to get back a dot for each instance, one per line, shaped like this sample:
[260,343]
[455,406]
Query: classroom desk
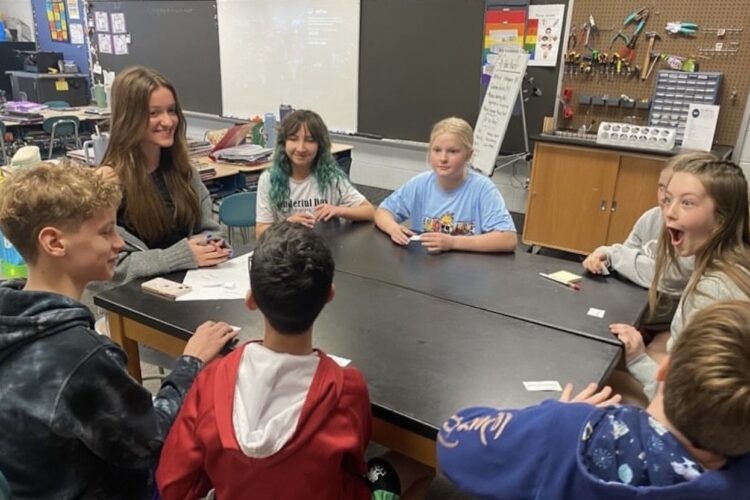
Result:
[337,150]
[423,357]
[79,112]
[507,284]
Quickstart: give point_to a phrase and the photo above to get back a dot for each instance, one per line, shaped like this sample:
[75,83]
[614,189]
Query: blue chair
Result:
[238,210]
[63,127]
[57,104]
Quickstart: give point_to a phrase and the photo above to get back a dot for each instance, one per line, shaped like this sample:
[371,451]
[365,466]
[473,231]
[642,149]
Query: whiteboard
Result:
[299,52]
[497,106]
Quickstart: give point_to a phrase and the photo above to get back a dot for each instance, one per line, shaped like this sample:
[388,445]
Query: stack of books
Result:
[198,147]
[244,154]
[205,170]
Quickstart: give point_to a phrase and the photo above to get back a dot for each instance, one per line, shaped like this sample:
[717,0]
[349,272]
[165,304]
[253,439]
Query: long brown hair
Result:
[728,249]
[145,209]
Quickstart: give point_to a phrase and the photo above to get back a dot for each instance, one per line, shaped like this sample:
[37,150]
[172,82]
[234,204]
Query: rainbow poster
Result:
[503,27]
[57,20]
[544,33]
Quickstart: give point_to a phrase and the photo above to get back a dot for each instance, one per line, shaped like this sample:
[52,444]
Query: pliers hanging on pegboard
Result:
[639,17]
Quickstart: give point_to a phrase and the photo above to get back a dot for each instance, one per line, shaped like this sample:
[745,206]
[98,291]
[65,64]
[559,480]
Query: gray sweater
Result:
[711,288]
[137,260]
[635,259]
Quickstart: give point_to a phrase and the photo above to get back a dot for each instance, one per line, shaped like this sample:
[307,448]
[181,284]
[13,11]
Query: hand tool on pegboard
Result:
[637,17]
[651,36]
[681,28]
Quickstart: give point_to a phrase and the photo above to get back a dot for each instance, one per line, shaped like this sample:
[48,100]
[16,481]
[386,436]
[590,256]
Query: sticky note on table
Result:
[542,385]
[61,85]
[564,277]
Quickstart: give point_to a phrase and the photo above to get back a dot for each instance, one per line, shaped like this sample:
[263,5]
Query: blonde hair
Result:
[64,196]
[457,126]
[726,251]
[707,387]
[145,210]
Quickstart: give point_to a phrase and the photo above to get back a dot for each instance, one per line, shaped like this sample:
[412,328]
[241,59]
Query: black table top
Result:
[423,357]
[507,284]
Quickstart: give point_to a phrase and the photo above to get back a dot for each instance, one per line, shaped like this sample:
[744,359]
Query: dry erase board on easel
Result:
[179,38]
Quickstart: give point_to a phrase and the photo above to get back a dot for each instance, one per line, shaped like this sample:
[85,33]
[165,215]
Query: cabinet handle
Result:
[603,205]
[614,206]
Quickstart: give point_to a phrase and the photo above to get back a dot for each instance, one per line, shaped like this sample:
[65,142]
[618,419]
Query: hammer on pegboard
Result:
[651,36]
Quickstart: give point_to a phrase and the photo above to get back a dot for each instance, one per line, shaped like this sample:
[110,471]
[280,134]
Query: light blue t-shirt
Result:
[475,207]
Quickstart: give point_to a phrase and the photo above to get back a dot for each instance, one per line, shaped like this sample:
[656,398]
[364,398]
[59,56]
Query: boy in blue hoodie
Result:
[692,442]
[74,423]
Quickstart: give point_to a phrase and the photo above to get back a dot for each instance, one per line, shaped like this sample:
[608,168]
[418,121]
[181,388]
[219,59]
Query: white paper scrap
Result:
[342,362]
[227,281]
[597,313]
[542,385]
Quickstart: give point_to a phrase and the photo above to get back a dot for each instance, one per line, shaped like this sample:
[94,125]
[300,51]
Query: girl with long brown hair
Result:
[165,216]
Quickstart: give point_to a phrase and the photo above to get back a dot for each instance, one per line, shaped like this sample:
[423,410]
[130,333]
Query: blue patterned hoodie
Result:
[74,423]
[576,451]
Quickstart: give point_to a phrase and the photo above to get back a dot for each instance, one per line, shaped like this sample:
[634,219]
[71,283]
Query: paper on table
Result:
[229,280]
[342,362]
[542,385]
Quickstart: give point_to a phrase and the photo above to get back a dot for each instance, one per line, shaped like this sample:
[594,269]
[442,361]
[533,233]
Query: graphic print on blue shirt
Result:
[447,224]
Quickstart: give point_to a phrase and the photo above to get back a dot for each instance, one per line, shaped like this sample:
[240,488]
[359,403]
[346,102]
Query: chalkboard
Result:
[176,37]
[419,61]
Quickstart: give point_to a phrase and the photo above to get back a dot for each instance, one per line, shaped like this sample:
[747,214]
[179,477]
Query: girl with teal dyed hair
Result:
[305,184]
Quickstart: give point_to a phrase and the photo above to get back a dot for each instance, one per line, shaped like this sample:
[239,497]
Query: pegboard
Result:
[609,17]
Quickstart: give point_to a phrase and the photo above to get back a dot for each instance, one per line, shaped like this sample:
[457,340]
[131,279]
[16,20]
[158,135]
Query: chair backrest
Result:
[57,104]
[345,164]
[238,210]
[62,125]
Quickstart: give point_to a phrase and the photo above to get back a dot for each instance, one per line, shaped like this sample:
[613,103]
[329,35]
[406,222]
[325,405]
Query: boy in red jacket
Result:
[276,418]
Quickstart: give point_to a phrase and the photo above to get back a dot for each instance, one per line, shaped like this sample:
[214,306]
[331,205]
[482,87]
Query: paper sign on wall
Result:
[700,126]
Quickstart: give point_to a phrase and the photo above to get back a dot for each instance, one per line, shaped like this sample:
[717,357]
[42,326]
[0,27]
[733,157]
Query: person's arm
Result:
[207,224]
[180,473]
[634,263]
[488,451]
[348,203]
[102,406]
[113,415]
[264,214]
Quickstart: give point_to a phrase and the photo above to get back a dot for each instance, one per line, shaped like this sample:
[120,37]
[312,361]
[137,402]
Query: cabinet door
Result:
[569,197]
[635,192]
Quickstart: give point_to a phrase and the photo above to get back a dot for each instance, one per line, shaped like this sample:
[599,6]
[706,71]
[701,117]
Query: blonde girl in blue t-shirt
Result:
[451,207]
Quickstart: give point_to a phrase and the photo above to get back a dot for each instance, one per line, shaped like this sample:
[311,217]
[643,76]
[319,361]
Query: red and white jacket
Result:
[262,424]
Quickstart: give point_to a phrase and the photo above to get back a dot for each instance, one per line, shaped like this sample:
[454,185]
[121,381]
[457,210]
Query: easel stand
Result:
[512,159]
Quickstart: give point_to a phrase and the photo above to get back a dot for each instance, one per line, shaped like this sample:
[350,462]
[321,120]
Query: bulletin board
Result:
[733,58]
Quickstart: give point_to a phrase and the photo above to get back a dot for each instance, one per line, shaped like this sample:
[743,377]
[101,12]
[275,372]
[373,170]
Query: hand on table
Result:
[437,242]
[208,340]
[630,338]
[401,234]
[326,212]
[208,253]
[595,263]
[304,218]
[590,395]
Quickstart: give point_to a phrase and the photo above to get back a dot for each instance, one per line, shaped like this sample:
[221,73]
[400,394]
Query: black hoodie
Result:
[73,423]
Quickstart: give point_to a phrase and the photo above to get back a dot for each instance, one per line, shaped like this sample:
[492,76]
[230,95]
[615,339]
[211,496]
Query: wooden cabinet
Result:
[584,197]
